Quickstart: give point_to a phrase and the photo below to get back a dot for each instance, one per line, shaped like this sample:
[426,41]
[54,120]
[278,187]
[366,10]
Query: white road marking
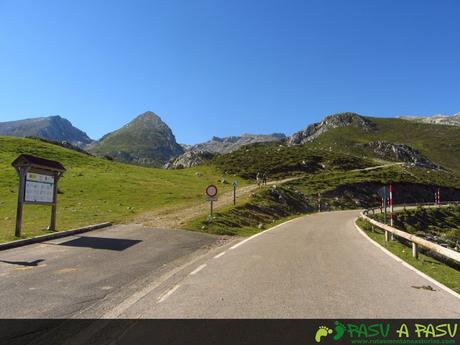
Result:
[198,269]
[219,255]
[167,294]
[263,232]
[409,266]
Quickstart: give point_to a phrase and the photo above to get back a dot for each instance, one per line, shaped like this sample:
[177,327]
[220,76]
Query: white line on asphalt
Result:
[167,294]
[198,269]
[263,232]
[412,268]
[219,255]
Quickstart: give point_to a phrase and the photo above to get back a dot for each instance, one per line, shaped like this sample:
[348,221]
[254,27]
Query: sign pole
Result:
[234,195]
[54,206]
[22,181]
[211,207]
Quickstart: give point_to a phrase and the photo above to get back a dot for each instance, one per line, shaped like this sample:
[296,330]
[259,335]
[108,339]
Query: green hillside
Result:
[440,144]
[344,149]
[335,165]
[95,190]
[279,160]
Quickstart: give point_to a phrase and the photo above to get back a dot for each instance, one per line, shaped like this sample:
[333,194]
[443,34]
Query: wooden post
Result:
[54,206]
[414,250]
[22,181]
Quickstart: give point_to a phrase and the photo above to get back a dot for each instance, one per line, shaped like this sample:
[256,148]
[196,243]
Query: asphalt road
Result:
[86,276]
[317,266]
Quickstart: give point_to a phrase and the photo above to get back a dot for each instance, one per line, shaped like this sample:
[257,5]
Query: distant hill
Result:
[438,144]
[453,120]
[229,144]
[146,140]
[200,153]
[53,128]
[350,141]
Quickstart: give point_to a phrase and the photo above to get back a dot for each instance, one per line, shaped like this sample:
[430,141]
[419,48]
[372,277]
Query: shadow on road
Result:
[118,244]
[23,263]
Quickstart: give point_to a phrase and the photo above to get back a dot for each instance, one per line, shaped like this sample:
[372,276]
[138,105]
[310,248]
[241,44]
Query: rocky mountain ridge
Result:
[332,121]
[439,119]
[232,143]
[55,128]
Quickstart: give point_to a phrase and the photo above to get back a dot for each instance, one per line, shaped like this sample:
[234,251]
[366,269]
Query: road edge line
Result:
[263,232]
[52,236]
[404,263]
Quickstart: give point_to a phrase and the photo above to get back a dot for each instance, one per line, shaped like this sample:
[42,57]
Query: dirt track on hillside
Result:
[176,217]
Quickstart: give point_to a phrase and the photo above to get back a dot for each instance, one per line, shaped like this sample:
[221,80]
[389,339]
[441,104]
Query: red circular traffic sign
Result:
[211,190]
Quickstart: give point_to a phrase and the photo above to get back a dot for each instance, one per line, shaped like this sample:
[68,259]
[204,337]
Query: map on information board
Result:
[39,188]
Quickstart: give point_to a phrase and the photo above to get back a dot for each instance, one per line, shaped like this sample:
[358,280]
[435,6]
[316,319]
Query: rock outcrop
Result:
[400,153]
[452,120]
[189,159]
[333,121]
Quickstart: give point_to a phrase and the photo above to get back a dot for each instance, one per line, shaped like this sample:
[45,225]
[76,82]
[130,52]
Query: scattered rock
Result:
[401,153]
[189,159]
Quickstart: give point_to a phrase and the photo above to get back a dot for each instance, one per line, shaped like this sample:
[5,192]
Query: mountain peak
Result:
[54,128]
[146,140]
[148,115]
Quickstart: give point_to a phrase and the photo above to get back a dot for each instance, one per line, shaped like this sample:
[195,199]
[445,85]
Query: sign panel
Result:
[211,190]
[39,188]
[235,183]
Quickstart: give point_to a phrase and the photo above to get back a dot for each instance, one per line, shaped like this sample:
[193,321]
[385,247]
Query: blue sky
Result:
[226,67]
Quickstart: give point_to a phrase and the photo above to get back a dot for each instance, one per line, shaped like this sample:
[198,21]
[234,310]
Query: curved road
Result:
[317,266]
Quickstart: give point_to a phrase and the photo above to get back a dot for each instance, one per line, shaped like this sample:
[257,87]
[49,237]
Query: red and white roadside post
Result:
[437,197]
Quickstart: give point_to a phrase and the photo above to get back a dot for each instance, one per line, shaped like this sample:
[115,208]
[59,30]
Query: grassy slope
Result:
[437,270]
[327,165]
[443,221]
[281,160]
[437,143]
[95,190]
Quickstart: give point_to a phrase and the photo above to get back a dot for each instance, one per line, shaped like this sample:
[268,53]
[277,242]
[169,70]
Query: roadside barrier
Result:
[415,240]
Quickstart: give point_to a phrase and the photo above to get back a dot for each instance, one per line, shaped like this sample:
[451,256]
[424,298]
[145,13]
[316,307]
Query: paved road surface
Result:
[318,266]
[88,275]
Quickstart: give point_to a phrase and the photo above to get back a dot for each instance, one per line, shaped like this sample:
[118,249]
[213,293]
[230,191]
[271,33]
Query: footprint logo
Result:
[339,330]
[322,331]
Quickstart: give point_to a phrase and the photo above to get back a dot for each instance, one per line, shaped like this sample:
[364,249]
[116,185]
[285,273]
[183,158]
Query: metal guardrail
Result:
[415,240]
